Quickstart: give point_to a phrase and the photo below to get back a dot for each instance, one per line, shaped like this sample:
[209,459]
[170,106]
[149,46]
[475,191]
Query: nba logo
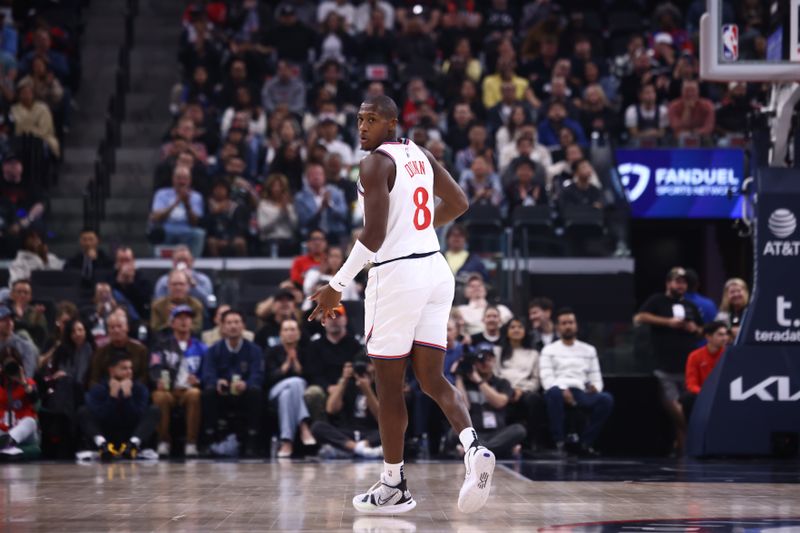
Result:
[730,42]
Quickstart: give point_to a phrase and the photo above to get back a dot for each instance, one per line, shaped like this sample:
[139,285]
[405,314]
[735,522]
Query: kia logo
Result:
[634,178]
[782,223]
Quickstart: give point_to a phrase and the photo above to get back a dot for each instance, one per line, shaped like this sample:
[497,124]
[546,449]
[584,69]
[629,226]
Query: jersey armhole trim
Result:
[384,152]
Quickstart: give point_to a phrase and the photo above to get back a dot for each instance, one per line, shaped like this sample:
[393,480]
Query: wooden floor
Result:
[306,496]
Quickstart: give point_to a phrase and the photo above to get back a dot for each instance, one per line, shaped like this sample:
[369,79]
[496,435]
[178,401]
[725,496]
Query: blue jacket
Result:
[221,363]
[167,355]
[548,135]
[333,220]
[708,310]
[105,408]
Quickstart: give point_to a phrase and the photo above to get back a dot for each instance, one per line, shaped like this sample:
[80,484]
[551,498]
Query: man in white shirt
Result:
[472,312]
[570,375]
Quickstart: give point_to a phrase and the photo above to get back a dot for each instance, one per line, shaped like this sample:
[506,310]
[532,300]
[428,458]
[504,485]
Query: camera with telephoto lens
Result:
[467,365]
[360,368]
[11,368]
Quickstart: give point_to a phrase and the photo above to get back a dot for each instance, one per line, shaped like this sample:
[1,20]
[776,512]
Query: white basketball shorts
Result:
[408,302]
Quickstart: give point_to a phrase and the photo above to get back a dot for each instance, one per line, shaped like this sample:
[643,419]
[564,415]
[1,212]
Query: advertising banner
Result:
[750,405]
[682,182]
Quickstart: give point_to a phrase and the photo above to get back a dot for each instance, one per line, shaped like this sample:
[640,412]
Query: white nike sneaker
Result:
[385,499]
[479,462]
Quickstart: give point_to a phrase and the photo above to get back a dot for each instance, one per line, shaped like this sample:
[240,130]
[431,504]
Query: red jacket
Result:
[19,406]
[300,266]
[698,367]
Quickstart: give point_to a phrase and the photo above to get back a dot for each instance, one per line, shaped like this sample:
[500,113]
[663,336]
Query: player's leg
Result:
[393,420]
[430,339]
[389,329]
[428,365]
[390,495]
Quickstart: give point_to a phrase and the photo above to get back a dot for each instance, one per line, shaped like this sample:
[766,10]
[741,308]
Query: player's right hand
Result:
[327,300]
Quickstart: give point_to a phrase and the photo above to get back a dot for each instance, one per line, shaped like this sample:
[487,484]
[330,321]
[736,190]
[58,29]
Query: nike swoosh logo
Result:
[384,502]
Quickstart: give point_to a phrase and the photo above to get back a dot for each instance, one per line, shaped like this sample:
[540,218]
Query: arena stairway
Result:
[153,71]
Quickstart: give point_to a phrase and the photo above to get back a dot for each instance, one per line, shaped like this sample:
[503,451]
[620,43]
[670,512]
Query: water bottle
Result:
[273,447]
[165,381]
[424,447]
[142,335]
[357,436]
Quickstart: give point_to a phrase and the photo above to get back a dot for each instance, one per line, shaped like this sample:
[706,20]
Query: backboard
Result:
[727,54]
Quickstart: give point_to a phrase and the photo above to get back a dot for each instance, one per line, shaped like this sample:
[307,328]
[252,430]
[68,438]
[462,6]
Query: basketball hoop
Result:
[720,61]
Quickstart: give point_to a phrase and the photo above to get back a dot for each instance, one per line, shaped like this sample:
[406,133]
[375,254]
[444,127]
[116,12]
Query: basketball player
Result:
[408,298]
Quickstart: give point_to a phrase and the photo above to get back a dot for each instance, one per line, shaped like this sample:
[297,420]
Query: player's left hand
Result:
[327,300]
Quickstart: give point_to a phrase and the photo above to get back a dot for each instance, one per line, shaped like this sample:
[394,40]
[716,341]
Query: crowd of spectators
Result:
[113,370]
[262,160]
[39,74]
[507,96]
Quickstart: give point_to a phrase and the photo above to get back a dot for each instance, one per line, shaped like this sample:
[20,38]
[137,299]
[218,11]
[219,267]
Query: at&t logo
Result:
[782,223]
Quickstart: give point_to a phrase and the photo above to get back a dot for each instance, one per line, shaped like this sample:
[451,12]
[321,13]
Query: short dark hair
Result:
[10,351]
[90,230]
[317,230]
[713,326]
[224,184]
[457,228]
[383,104]
[21,280]
[542,303]
[578,163]
[564,311]
[645,86]
[117,356]
[231,311]
[524,162]
[692,279]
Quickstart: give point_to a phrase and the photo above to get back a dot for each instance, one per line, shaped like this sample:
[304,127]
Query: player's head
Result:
[377,121]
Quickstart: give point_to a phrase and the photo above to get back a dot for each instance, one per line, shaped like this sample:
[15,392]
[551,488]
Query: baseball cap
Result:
[675,273]
[284,294]
[663,38]
[483,355]
[181,310]
[5,312]
[474,276]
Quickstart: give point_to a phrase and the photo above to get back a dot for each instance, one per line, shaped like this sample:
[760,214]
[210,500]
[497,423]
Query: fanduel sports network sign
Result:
[750,404]
[682,182]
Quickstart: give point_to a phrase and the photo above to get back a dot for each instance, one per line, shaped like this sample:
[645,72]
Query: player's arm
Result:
[654,320]
[375,171]
[454,202]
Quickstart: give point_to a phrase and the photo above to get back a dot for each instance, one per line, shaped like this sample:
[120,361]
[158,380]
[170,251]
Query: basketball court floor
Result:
[245,496]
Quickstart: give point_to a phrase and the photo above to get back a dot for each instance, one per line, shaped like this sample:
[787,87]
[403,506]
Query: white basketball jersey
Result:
[411,203]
